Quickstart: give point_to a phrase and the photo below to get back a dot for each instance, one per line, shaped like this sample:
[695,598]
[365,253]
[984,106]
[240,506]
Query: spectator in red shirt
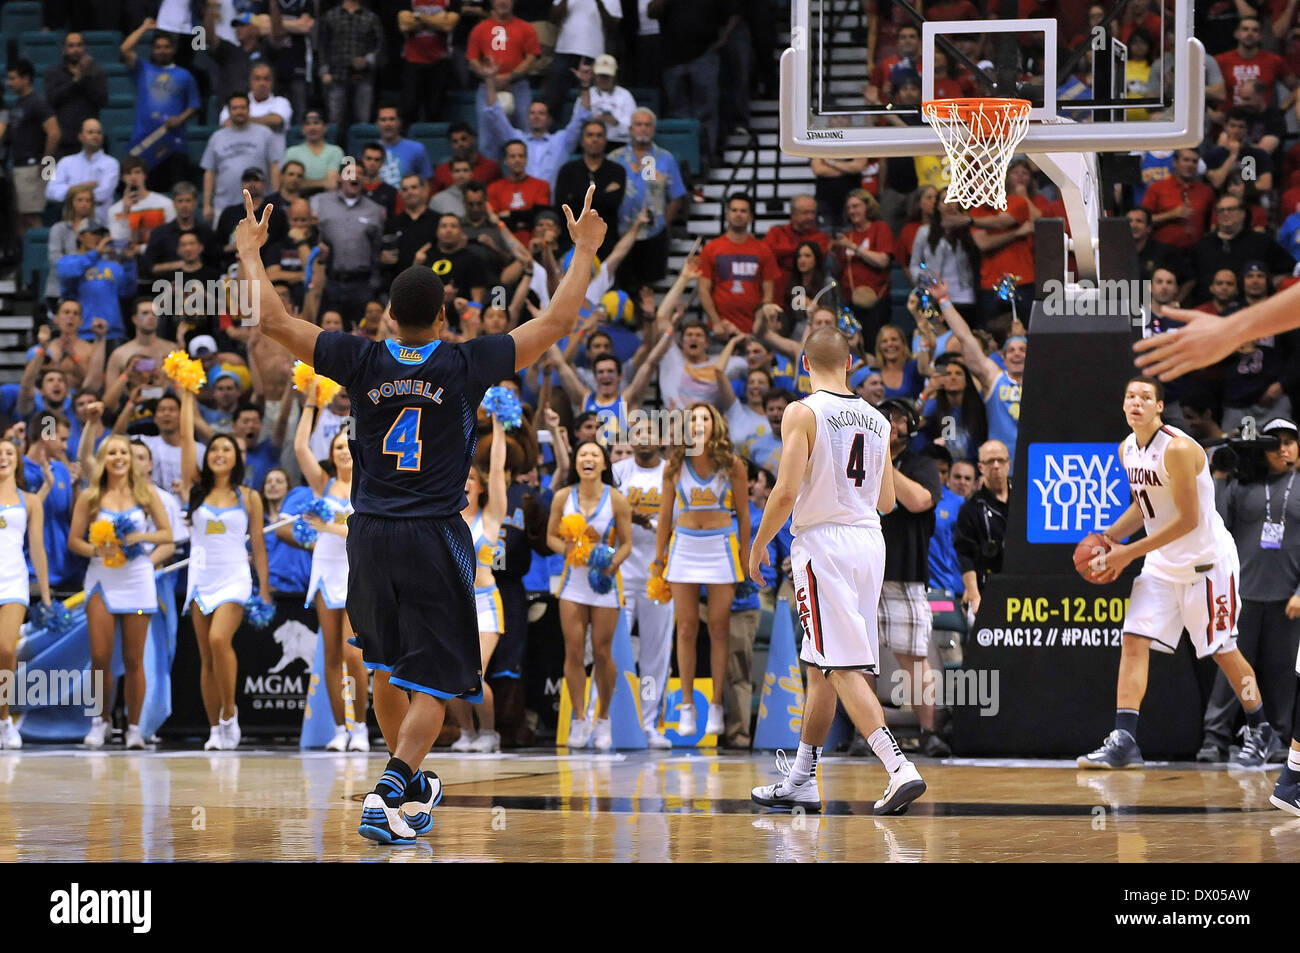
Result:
[464,145]
[1223,294]
[1248,61]
[516,196]
[863,255]
[426,58]
[738,273]
[784,239]
[908,46]
[1180,205]
[1005,241]
[507,47]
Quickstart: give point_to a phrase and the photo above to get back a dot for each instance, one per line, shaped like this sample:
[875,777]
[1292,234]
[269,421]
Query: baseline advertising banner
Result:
[273,681]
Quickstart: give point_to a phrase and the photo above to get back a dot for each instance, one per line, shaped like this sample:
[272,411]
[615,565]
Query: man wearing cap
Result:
[91,166]
[232,152]
[547,150]
[610,103]
[1232,244]
[96,279]
[254,180]
[225,388]
[1263,515]
[320,160]
[235,60]
[581,39]
[264,107]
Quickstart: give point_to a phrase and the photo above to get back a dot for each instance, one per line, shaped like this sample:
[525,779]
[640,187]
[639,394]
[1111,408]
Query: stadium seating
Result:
[17,18]
[359,133]
[681,137]
[36,262]
[433,136]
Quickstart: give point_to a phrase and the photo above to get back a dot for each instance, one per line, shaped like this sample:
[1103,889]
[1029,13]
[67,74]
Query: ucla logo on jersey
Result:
[340,518]
[409,354]
[215,528]
[701,498]
[644,500]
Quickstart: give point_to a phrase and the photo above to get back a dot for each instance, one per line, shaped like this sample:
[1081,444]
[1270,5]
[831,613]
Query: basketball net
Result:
[980,136]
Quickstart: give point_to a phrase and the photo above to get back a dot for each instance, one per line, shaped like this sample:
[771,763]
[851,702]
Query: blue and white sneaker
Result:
[418,812]
[1286,796]
[1119,750]
[384,824]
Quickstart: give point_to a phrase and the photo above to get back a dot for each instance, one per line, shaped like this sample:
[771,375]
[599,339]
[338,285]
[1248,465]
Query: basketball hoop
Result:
[980,136]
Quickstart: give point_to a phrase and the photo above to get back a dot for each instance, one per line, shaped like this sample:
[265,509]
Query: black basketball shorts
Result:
[411,603]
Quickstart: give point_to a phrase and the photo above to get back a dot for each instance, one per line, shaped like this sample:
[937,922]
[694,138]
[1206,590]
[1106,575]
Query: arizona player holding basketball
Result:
[836,474]
[411,585]
[1189,578]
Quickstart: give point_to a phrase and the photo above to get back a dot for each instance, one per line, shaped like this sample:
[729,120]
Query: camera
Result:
[1242,458]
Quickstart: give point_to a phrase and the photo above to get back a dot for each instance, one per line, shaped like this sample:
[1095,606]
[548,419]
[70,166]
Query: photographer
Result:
[1261,508]
[982,523]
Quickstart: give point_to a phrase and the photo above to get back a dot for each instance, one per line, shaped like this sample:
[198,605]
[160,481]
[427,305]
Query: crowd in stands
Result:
[141,240]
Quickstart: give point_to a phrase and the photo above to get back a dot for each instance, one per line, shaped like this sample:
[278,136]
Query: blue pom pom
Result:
[600,583]
[321,510]
[303,533]
[848,323]
[502,404]
[746,589]
[57,618]
[601,558]
[1006,287]
[258,613]
[124,526]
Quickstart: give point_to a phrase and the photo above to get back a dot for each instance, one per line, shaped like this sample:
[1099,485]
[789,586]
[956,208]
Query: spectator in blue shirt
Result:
[288,563]
[765,451]
[547,150]
[47,440]
[745,614]
[260,455]
[166,95]
[958,482]
[225,397]
[402,157]
[654,183]
[96,279]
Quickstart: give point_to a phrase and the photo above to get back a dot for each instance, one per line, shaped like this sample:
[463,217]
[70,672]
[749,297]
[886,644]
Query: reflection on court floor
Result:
[73,805]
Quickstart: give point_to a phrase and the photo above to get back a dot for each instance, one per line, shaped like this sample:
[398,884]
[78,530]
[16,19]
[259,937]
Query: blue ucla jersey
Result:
[415,414]
[1003,406]
[945,573]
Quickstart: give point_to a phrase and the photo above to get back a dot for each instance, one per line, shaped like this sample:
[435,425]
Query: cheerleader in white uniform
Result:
[124,594]
[219,583]
[708,495]
[486,509]
[328,587]
[21,517]
[609,522]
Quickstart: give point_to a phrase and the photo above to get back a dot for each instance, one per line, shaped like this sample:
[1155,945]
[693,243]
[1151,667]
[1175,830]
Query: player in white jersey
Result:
[1189,579]
[640,479]
[836,475]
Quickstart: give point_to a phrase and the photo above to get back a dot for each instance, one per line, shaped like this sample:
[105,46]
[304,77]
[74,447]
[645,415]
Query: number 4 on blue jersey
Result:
[403,439]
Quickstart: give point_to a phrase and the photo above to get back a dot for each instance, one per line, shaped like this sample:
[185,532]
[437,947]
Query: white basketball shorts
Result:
[1207,608]
[837,575]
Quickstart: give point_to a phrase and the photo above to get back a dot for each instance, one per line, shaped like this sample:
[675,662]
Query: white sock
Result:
[886,748]
[1293,760]
[805,763]
[340,729]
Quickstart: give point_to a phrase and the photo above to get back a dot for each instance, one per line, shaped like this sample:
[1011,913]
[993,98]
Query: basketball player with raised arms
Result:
[836,475]
[1189,578]
[411,576]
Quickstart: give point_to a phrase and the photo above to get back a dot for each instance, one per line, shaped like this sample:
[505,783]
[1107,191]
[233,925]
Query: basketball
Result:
[1086,551]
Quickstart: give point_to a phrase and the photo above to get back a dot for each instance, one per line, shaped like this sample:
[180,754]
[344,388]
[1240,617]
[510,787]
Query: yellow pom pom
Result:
[304,374]
[102,533]
[658,590]
[185,371]
[115,560]
[573,527]
[580,552]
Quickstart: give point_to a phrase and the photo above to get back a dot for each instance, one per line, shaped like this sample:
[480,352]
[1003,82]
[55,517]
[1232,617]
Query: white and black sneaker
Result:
[905,786]
[785,793]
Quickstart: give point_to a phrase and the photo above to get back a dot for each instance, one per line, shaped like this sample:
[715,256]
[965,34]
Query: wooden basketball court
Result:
[67,804]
